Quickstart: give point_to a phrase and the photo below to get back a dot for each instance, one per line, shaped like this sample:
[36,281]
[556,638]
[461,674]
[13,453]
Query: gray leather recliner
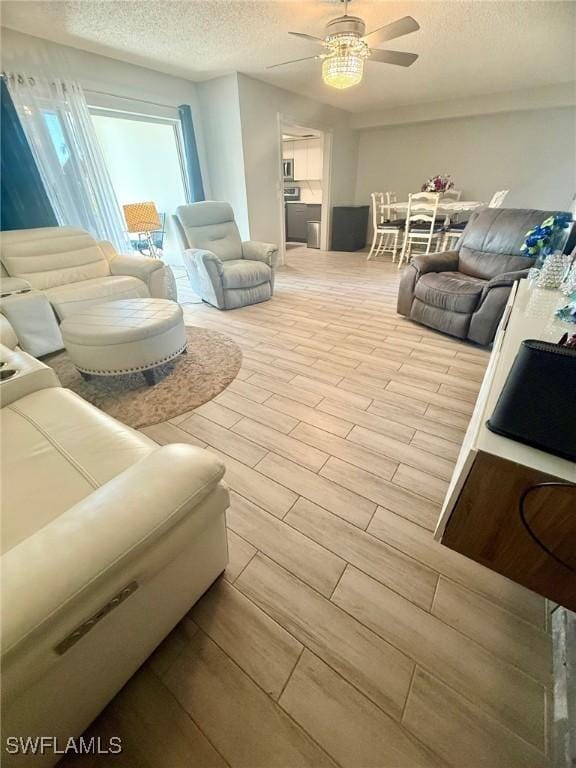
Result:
[223,270]
[464,292]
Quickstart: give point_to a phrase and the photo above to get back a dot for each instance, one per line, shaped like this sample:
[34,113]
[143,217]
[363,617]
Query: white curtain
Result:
[57,123]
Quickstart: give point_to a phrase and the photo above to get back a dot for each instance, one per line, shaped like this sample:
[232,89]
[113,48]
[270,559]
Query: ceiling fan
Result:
[347,48]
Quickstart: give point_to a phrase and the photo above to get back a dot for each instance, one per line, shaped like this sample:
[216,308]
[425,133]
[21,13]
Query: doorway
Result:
[304,184]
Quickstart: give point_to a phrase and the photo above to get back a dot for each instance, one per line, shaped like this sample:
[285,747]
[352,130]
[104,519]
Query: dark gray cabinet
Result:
[349,227]
[297,217]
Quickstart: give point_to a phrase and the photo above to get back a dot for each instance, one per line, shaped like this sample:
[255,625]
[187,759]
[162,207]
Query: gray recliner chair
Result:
[464,292]
[223,270]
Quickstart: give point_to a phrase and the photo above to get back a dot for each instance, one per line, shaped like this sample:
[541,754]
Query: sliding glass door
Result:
[146,163]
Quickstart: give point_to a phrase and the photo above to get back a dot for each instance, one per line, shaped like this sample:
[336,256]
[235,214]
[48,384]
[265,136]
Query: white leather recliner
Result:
[69,270]
[107,541]
[223,270]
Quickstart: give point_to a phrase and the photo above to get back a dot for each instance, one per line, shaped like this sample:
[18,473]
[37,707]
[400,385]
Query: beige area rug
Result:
[212,362]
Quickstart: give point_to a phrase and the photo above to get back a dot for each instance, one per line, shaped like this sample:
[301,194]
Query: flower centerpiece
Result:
[441,183]
[546,238]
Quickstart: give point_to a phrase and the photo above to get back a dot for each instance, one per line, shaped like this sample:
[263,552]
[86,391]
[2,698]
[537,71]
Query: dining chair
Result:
[453,229]
[422,227]
[498,198]
[452,194]
[386,228]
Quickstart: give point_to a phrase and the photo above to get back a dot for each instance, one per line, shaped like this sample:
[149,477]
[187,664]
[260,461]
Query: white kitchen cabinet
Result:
[314,159]
[288,150]
[300,161]
[307,160]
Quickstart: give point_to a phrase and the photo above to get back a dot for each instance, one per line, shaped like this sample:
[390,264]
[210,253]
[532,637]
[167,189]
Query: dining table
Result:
[445,207]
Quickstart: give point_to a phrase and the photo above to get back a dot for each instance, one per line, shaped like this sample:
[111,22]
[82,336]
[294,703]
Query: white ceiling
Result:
[466,47]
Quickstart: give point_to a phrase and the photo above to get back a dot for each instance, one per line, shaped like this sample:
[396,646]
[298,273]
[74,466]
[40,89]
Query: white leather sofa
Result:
[69,270]
[107,540]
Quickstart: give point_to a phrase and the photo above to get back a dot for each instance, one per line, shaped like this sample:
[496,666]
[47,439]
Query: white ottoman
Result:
[125,336]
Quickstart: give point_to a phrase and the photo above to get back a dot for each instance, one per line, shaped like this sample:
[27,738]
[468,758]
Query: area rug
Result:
[211,363]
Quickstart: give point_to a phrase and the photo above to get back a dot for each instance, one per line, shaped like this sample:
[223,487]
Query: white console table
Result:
[480,517]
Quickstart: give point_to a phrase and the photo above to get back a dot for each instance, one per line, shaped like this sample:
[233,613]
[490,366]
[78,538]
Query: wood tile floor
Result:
[341,634]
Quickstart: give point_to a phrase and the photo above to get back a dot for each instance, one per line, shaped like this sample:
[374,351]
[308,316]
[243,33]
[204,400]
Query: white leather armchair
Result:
[223,270]
[108,540]
[68,270]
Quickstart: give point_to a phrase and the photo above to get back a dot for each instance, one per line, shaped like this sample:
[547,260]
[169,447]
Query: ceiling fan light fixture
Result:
[344,65]
[343,70]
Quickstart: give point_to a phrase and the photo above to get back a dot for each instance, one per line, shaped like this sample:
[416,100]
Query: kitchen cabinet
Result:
[307,154]
[288,150]
[297,217]
[314,159]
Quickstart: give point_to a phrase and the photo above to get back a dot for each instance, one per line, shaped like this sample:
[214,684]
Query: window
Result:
[145,161]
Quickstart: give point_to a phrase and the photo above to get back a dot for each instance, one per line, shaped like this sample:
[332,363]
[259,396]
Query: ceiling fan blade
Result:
[304,36]
[399,58]
[391,31]
[293,61]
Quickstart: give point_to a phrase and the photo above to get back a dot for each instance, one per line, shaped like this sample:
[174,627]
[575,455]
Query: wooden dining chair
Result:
[498,198]
[453,229]
[452,194]
[387,229]
[422,227]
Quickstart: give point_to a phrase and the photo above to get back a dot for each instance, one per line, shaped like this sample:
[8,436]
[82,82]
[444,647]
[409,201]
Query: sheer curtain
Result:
[55,117]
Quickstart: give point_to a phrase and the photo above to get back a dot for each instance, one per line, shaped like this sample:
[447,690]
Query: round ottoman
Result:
[125,336]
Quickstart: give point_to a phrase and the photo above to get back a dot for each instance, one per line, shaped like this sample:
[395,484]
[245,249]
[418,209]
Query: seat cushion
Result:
[75,297]
[57,449]
[423,226]
[458,226]
[241,273]
[392,224]
[450,290]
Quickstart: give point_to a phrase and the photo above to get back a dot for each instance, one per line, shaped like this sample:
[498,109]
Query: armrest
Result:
[141,267]
[205,272]
[102,534]
[255,251]
[8,337]
[31,375]
[10,285]
[505,280]
[200,257]
[436,262]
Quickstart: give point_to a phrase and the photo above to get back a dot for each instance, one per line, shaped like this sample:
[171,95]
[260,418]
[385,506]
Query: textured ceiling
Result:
[466,47]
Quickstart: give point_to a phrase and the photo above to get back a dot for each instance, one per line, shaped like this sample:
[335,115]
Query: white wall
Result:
[532,153]
[220,115]
[260,105]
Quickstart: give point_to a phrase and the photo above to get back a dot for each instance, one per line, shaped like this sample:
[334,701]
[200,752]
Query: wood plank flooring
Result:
[340,634]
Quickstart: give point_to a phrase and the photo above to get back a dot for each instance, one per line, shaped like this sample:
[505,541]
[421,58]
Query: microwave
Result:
[288,167]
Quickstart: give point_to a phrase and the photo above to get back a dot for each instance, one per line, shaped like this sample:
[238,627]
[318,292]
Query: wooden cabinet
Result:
[288,150]
[307,154]
[519,522]
[297,217]
[511,507]
[296,222]
[314,159]
[300,160]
